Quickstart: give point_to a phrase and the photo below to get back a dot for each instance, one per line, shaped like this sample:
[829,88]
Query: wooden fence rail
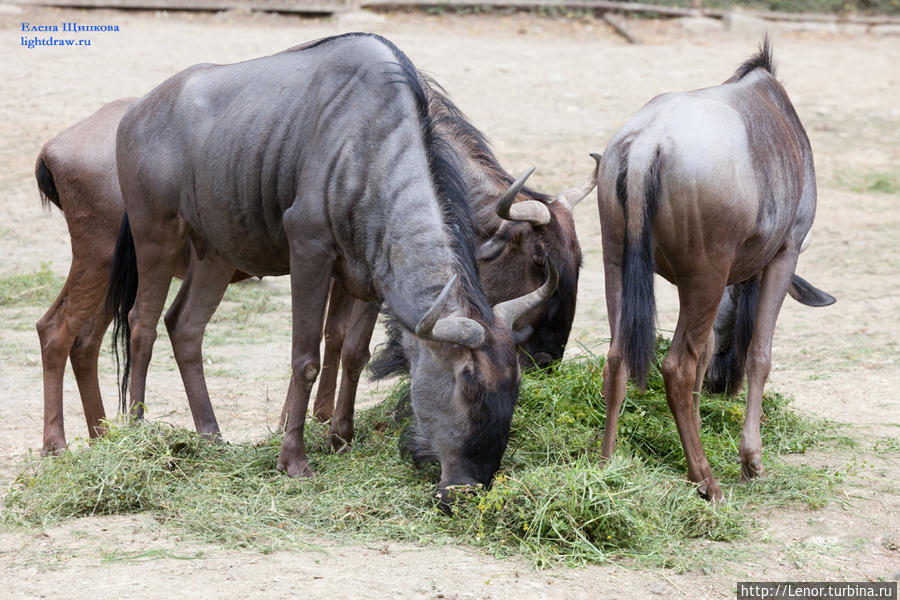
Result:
[334,6]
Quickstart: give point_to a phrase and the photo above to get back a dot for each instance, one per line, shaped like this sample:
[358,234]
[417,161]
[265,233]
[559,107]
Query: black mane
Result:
[446,114]
[449,186]
[763,59]
[445,167]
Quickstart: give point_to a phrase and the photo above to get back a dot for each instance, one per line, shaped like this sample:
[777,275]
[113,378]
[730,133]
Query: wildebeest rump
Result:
[76,171]
[708,188]
[321,161]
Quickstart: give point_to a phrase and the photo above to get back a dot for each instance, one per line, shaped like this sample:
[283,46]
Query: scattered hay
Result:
[551,501]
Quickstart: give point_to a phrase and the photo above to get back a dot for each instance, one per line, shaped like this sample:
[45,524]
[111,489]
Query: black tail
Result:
[733,331]
[123,284]
[637,319]
[390,358]
[46,184]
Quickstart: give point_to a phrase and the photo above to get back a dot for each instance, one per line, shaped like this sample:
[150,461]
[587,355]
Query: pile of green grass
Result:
[551,501]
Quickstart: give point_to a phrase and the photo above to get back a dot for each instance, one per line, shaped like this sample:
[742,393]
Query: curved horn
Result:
[426,324]
[459,330]
[529,211]
[511,310]
[573,196]
[456,330]
[806,240]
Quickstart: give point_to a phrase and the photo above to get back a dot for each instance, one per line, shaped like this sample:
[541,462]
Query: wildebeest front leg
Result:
[197,300]
[158,250]
[698,300]
[354,356]
[340,307]
[310,278]
[774,285]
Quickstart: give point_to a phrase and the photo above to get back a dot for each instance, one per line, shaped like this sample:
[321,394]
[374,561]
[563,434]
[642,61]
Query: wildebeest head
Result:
[517,238]
[536,229]
[464,382]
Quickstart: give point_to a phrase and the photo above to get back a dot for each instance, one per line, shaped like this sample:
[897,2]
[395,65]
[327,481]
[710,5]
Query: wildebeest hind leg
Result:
[702,365]
[197,300]
[698,300]
[85,357]
[774,284]
[56,341]
[614,369]
[68,328]
[354,356]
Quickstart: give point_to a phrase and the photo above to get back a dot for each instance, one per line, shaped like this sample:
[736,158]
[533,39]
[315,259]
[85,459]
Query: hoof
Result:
[295,468]
[213,436]
[340,436]
[53,448]
[752,469]
[710,491]
[338,444]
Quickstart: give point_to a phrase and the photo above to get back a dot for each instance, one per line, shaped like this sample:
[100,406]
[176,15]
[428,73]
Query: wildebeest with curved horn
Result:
[516,235]
[76,171]
[321,161]
[708,188]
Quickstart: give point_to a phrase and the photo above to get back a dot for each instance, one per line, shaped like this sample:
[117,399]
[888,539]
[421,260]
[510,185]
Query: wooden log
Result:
[285,6]
[597,5]
[619,26]
[333,6]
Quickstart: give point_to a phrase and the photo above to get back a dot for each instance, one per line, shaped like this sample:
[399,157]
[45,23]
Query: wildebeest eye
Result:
[540,260]
[467,375]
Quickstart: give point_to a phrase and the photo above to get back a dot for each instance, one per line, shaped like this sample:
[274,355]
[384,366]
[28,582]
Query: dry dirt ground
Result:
[546,92]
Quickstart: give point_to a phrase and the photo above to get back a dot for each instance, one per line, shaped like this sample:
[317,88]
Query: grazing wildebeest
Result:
[321,161]
[733,331]
[708,188]
[76,171]
[516,235]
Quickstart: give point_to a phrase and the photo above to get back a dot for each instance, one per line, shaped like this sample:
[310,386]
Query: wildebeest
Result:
[76,171]
[516,235]
[321,161]
[733,331]
[73,326]
[708,188]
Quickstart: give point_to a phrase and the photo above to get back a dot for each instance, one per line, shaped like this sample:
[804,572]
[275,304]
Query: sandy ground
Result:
[546,92]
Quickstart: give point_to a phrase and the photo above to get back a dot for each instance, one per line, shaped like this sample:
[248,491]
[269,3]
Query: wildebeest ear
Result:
[521,335]
[492,248]
[806,293]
